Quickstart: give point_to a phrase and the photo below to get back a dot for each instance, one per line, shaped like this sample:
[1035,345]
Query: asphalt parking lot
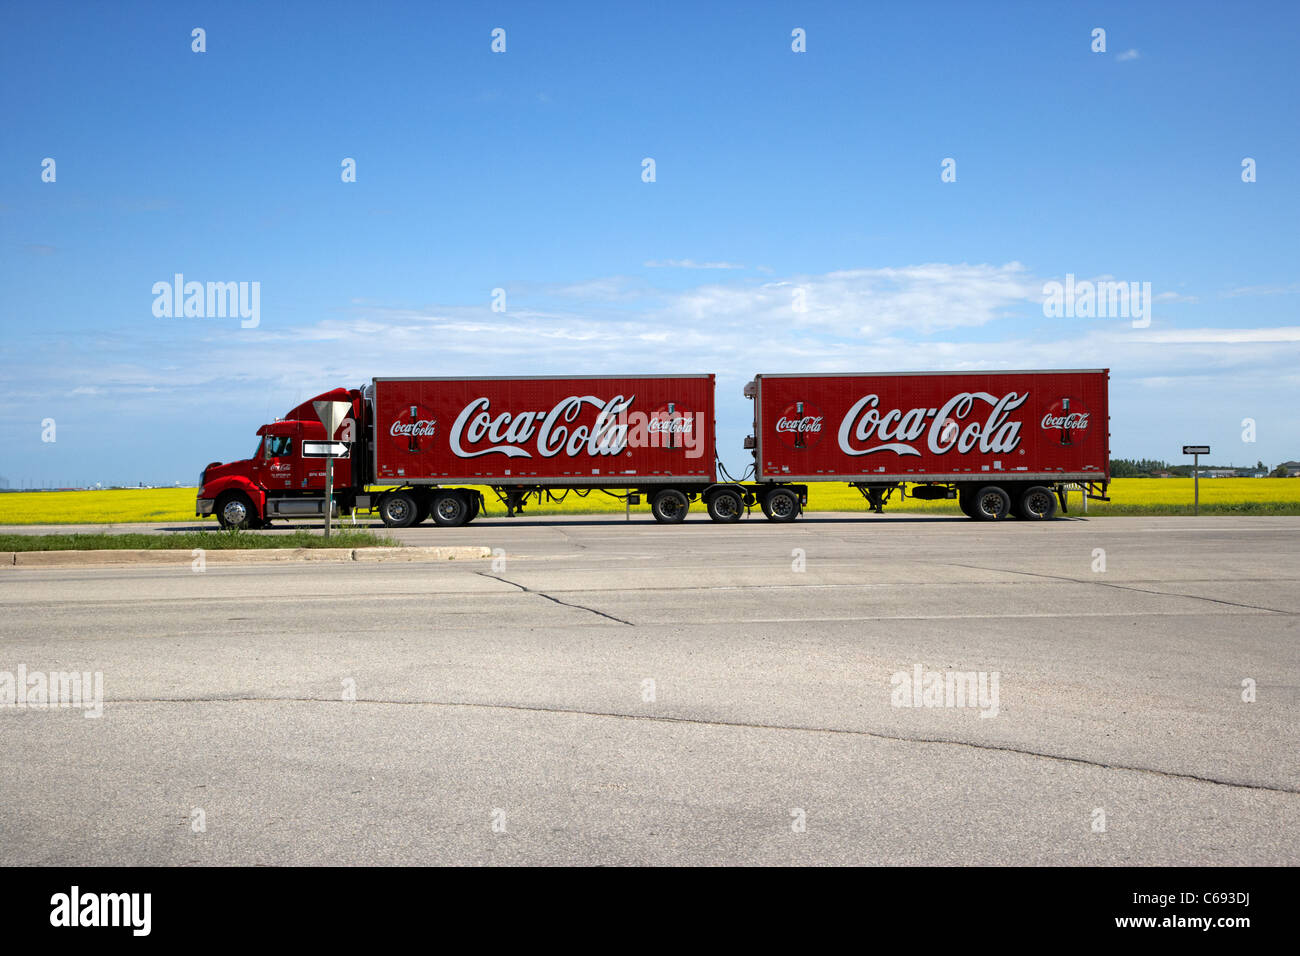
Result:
[623,692]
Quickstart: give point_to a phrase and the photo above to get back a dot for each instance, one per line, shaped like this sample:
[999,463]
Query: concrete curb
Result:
[421,554]
[174,557]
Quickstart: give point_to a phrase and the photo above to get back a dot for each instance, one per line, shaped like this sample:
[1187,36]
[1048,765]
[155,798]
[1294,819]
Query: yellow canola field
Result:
[1129,496]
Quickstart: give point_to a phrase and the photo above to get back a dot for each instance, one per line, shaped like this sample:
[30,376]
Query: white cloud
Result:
[1127,55]
[689,264]
[933,315]
[1248,290]
[1279,334]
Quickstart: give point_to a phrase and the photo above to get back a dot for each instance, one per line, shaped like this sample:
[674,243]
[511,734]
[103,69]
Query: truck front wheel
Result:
[669,506]
[991,503]
[399,509]
[235,511]
[450,509]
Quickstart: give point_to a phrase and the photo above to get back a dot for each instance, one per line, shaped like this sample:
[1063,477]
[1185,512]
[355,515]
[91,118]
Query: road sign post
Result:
[1196,451]
[331,415]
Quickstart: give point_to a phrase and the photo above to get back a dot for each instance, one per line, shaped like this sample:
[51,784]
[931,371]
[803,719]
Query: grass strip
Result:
[188,540]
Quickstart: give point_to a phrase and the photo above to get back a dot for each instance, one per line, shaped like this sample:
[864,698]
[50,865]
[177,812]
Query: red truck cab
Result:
[279,480]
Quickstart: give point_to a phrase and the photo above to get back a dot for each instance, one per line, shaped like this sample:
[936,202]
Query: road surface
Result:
[621,693]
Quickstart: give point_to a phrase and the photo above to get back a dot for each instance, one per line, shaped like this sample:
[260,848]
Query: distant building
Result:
[1219,473]
[1292,468]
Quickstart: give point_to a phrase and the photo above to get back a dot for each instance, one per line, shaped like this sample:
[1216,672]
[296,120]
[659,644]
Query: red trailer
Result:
[411,441]
[539,435]
[998,442]
[544,431]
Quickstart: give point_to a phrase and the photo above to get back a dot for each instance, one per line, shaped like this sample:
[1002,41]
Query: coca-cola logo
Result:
[1066,416]
[546,433]
[411,427]
[671,426]
[424,427]
[953,425]
[800,425]
[1073,420]
[806,424]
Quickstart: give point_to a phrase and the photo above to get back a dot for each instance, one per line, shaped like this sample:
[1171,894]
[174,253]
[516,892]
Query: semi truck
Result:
[410,449]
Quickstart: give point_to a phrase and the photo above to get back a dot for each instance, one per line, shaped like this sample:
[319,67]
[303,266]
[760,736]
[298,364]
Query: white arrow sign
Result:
[324,449]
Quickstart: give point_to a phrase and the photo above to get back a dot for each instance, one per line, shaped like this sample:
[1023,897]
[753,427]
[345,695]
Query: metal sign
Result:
[331,415]
[1196,451]
[324,449]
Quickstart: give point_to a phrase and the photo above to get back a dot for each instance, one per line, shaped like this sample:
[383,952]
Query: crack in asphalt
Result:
[580,607]
[1122,587]
[742,725]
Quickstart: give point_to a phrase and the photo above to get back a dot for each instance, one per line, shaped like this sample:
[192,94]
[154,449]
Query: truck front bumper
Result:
[203,506]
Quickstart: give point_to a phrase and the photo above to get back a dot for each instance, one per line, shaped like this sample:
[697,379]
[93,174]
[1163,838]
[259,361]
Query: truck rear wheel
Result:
[991,503]
[669,506]
[399,509]
[235,511]
[726,507]
[1037,503]
[475,503]
[450,509]
[781,505]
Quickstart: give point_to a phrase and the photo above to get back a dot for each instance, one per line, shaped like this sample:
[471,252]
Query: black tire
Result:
[670,506]
[475,504]
[1036,503]
[726,507]
[399,509]
[422,505]
[450,509]
[782,504]
[966,502]
[991,503]
[235,512]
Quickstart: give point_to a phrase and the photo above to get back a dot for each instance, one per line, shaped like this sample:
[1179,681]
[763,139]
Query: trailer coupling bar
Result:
[1098,497]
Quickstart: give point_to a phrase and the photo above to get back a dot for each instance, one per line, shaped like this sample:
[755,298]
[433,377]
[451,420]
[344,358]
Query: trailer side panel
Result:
[933,426]
[599,431]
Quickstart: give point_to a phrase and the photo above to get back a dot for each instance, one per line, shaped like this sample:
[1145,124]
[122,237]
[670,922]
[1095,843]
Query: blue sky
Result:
[775,171]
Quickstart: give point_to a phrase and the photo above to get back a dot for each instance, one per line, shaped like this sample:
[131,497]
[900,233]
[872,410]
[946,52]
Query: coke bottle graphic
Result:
[672,438]
[1065,429]
[799,441]
[412,442]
